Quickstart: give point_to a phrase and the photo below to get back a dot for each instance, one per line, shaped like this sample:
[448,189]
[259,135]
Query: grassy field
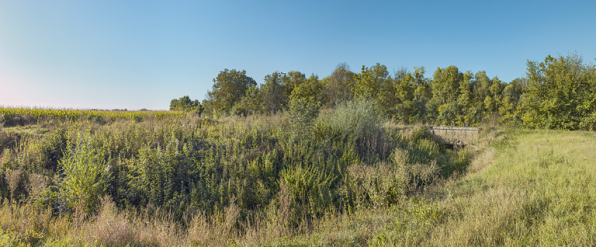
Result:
[354,180]
[529,188]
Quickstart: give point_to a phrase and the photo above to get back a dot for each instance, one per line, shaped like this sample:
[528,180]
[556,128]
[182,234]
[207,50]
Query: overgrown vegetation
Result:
[300,161]
[200,175]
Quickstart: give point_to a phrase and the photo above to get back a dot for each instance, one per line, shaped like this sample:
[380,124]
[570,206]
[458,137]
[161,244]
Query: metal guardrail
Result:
[455,128]
[459,136]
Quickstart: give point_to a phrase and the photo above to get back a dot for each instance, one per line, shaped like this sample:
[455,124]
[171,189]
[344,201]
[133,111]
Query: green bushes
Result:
[188,166]
[83,171]
[52,149]
[356,124]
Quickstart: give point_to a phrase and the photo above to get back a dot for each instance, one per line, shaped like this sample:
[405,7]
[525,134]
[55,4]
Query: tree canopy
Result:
[559,93]
[228,89]
[186,104]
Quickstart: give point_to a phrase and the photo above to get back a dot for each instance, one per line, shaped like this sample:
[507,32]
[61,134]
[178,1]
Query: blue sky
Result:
[142,54]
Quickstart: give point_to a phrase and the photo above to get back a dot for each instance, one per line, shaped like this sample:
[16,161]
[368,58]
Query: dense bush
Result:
[257,168]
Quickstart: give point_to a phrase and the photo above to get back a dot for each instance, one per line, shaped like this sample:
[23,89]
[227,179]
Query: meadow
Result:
[348,177]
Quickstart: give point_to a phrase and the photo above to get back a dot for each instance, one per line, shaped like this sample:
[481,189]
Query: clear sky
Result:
[142,54]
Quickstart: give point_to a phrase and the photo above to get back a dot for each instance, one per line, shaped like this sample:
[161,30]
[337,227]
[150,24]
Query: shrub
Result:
[82,184]
[53,148]
[303,112]
[354,123]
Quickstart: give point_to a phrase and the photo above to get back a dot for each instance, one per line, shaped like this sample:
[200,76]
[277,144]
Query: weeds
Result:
[189,180]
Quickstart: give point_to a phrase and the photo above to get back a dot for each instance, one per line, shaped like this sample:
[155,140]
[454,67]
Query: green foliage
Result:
[562,94]
[556,94]
[53,149]
[338,87]
[251,103]
[272,92]
[355,124]
[83,171]
[305,102]
[371,81]
[303,111]
[228,89]
[186,104]
[376,85]
[291,80]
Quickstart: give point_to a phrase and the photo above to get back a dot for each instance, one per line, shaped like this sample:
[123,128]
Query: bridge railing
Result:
[460,136]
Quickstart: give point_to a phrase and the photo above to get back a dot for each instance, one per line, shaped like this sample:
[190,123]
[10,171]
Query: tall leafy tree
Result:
[422,94]
[305,102]
[481,86]
[291,80]
[186,104]
[562,94]
[423,90]
[405,85]
[338,87]
[272,92]
[228,88]
[251,103]
[371,81]
[446,87]
[508,109]
[376,85]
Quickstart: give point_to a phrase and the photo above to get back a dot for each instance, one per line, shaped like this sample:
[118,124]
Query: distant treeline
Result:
[559,93]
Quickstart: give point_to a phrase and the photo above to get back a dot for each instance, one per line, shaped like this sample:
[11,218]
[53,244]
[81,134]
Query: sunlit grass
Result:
[537,190]
[522,187]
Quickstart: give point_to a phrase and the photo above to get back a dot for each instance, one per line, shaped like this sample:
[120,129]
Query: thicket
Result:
[186,104]
[253,169]
[559,93]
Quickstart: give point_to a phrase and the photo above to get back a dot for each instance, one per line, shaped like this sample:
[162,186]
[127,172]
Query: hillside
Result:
[529,188]
[345,176]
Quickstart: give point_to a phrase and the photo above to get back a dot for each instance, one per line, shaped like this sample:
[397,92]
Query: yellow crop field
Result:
[74,114]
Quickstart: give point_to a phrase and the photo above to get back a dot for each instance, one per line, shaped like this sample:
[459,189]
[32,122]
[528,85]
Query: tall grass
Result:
[533,188]
[190,180]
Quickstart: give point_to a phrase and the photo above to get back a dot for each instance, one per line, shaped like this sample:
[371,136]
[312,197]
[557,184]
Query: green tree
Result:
[562,94]
[405,85]
[272,92]
[465,100]
[228,88]
[446,89]
[251,103]
[291,80]
[508,109]
[423,91]
[376,85]
[370,81]
[186,104]
[310,89]
[422,94]
[339,86]
[481,85]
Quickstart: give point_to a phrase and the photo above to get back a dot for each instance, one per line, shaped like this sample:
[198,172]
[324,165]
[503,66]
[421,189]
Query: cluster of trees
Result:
[186,104]
[558,93]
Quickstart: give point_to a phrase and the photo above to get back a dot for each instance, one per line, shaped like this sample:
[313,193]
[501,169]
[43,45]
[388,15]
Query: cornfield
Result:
[7,115]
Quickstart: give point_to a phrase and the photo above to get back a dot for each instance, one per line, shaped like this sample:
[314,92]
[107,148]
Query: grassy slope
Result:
[531,188]
[539,190]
